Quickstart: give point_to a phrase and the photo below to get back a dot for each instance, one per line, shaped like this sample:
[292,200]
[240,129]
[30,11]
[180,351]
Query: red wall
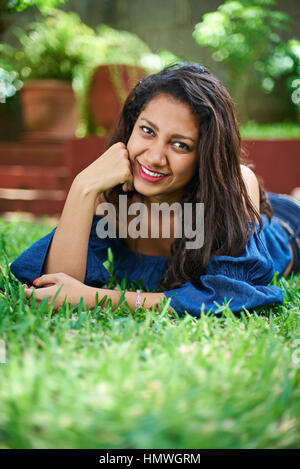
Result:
[277,162]
[36,177]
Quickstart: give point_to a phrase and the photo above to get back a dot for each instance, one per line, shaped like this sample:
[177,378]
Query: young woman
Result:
[177,142]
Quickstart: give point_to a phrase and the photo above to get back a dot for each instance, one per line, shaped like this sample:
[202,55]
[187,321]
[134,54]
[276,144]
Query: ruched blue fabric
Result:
[243,281]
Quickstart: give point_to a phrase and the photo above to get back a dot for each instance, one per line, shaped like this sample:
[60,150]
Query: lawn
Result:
[106,378]
[280,130]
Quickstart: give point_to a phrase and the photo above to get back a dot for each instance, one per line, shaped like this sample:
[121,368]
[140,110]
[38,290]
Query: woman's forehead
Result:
[165,110]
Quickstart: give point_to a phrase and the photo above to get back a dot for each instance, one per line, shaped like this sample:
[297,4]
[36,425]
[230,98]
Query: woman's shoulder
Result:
[252,185]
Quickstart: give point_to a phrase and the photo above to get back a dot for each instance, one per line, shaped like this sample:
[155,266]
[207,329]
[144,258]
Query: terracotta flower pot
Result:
[49,110]
[108,90]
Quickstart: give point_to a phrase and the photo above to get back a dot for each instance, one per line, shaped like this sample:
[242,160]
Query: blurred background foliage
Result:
[61,46]
[250,45]
[20,5]
[245,37]
[10,81]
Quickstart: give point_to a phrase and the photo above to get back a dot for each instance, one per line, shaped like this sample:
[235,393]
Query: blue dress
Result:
[243,281]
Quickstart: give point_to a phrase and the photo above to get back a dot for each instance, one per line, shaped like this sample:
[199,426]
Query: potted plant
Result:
[48,61]
[113,71]
[116,61]
[58,55]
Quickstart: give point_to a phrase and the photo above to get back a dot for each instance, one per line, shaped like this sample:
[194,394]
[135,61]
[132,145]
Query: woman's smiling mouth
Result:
[150,176]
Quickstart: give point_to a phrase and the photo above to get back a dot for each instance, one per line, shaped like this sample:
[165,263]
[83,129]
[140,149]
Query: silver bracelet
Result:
[138,302]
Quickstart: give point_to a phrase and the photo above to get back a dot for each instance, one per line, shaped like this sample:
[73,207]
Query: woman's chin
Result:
[145,188]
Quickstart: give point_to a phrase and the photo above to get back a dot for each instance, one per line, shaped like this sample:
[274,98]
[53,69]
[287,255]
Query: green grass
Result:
[105,378]
[281,130]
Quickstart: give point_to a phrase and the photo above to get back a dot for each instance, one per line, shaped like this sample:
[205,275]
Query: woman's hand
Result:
[72,290]
[109,170]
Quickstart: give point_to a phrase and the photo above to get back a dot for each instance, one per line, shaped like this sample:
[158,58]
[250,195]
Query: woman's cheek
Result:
[130,149]
[134,150]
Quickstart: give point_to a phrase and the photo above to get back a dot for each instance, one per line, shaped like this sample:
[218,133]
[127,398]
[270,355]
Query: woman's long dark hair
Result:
[218,182]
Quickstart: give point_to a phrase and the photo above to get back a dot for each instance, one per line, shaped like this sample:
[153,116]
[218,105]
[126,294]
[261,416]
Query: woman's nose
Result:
[158,154]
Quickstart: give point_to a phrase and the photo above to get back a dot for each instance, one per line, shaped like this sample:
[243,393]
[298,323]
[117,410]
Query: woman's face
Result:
[164,140]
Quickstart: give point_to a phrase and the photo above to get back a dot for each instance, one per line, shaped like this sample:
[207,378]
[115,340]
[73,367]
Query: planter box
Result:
[36,177]
[80,152]
[33,177]
[277,162]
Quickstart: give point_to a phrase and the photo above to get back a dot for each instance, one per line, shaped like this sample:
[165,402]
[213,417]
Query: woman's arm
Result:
[68,250]
[73,290]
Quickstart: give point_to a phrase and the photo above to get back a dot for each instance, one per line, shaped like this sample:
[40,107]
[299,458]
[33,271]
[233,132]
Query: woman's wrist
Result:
[146,299]
[81,186]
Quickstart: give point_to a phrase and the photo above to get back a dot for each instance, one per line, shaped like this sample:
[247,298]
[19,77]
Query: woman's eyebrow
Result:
[175,135]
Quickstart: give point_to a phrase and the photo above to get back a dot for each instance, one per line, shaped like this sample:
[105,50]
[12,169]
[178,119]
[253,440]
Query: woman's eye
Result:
[146,129]
[182,146]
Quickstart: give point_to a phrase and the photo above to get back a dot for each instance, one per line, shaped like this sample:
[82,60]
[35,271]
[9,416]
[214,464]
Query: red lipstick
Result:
[146,177]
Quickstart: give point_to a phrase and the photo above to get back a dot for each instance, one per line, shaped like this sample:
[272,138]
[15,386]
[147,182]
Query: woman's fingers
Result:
[47,279]
[128,185]
[28,291]
[39,293]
